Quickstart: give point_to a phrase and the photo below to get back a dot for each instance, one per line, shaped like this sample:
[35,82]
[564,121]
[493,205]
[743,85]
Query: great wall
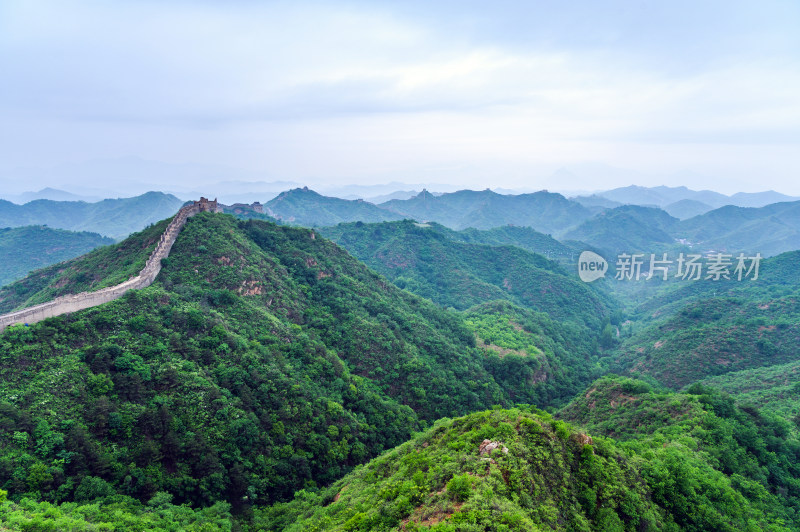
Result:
[84,300]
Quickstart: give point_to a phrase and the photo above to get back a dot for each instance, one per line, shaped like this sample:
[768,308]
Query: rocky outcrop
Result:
[488,446]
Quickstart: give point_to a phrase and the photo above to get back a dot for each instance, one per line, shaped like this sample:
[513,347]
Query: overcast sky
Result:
[696,93]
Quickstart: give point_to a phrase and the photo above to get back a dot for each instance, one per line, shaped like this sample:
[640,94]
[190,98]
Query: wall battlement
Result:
[84,300]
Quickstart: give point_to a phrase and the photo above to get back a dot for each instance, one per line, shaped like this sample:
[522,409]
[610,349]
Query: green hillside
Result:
[778,277]
[713,337]
[691,330]
[424,260]
[301,206]
[698,444]
[769,230]
[268,380]
[105,266]
[543,474]
[772,388]
[114,513]
[628,229]
[115,218]
[544,211]
[23,249]
[534,358]
[565,253]
[264,359]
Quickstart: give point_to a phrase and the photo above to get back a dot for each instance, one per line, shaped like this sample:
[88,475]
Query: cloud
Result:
[365,89]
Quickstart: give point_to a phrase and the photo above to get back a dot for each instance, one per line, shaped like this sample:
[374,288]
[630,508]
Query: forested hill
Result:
[629,228]
[427,260]
[264,359]
[705,456]
[545,211]
[272,381]
[102,267]
[23,249]
[115,218]
[523,470]
[701,329]
[771,229]
[301,206]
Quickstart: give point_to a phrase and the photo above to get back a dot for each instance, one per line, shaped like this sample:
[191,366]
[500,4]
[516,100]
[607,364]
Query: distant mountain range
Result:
[683,202]
[650,220]
[770,230]
[115,218]
[625,219]
[49,193]
[544,211]
[301,206]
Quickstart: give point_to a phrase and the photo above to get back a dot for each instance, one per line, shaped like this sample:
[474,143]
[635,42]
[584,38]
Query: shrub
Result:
[459,488]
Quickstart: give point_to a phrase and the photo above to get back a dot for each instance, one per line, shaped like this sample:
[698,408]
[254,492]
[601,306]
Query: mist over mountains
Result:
[632,218]
[399,266]
[266,363]
[116,218]
[597,220]
[683,203]
[131,176]
[376,318]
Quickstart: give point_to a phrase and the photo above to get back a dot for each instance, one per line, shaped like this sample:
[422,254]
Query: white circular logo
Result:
[591,266]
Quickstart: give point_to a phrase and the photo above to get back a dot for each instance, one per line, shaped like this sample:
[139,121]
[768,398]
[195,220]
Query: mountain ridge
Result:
[115,218]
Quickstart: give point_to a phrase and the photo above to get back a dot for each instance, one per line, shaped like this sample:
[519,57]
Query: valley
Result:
[278,377]
[399,266]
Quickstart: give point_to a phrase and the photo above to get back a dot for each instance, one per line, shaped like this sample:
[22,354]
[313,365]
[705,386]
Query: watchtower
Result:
[206,205]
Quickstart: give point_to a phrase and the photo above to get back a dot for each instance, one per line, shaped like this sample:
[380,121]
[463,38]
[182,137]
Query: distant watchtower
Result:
[206,205]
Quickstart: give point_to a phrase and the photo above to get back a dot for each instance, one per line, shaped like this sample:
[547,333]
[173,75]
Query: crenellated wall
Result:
[84,300]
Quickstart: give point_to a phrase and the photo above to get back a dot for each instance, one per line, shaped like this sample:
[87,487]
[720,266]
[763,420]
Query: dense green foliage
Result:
[713,337]
[428,262]
[105,266]
[706,459]
[771,388]
[154,393]
[684,331]
[113,513]
[116,218]
[266,363]
[564,253]
[535,359]
[263,360]
[542,475]
[778,276]
[23,249]
[301,206]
